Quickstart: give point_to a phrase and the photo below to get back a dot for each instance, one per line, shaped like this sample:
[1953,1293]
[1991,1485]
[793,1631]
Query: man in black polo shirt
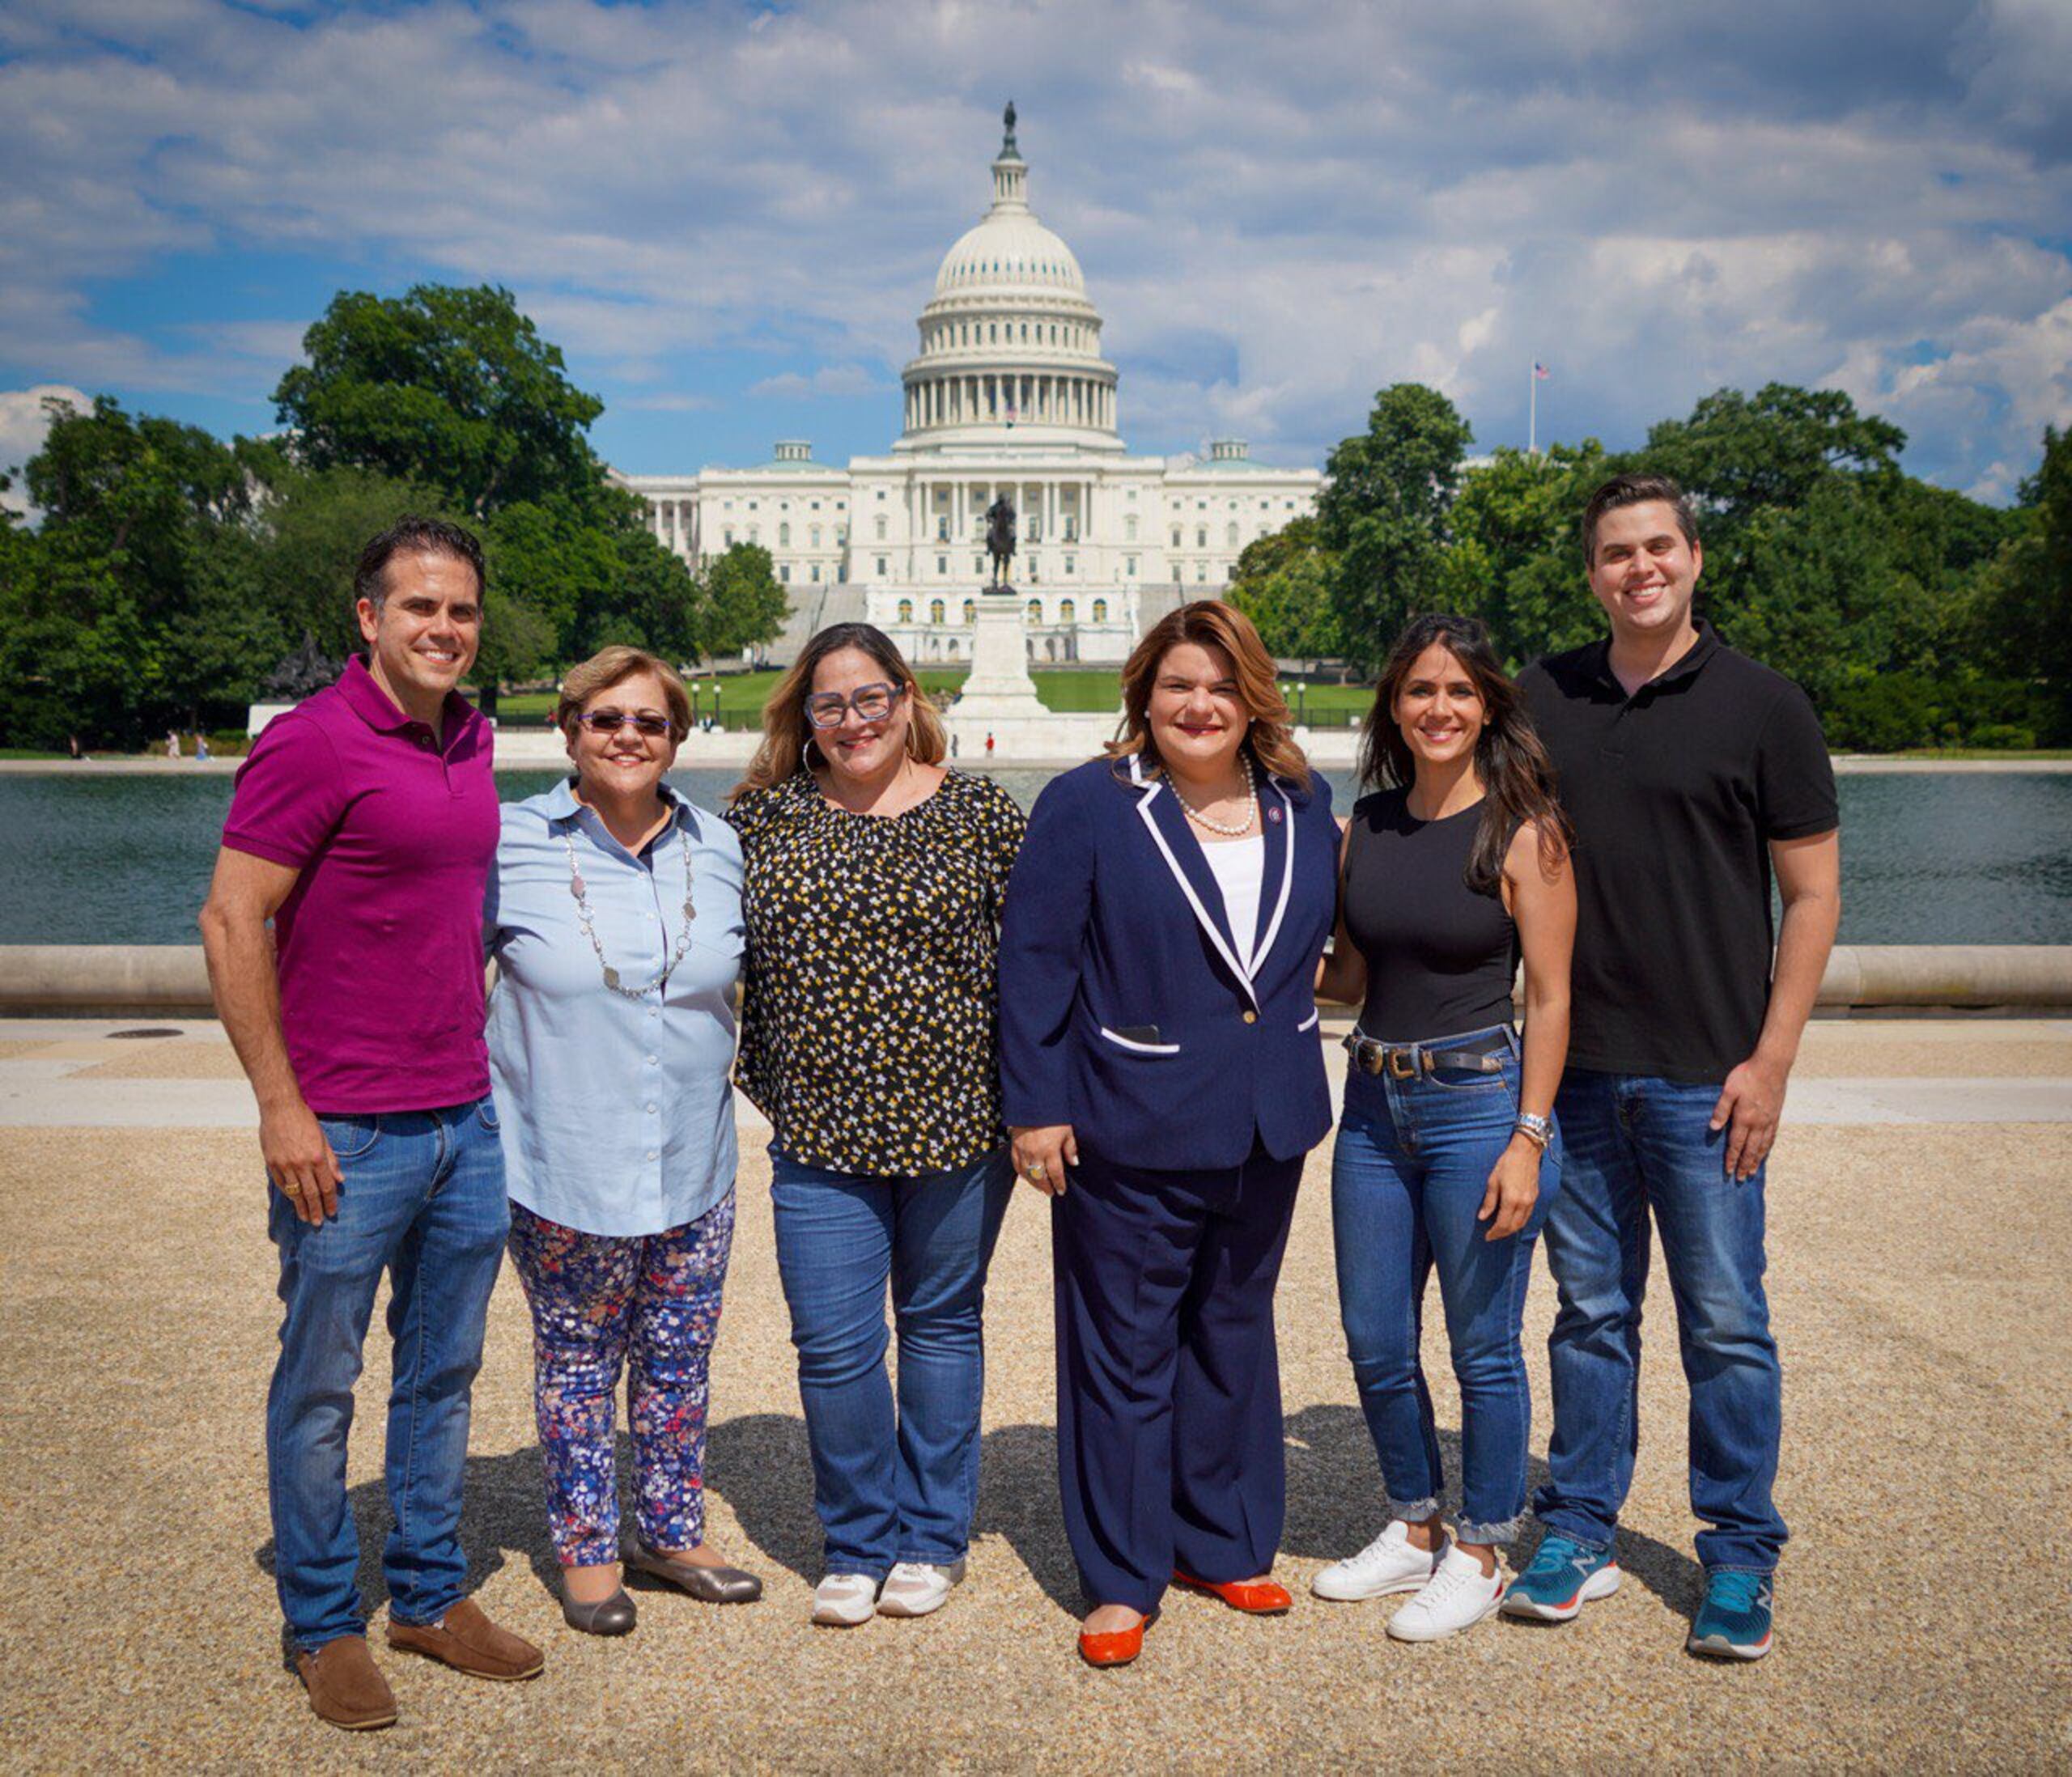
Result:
[1690,772]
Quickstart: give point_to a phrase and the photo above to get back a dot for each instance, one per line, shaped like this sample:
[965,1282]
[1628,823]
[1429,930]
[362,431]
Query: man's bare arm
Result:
[1810,885]
[243,895]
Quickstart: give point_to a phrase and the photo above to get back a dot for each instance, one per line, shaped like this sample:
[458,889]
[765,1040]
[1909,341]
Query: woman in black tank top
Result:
[1454,869]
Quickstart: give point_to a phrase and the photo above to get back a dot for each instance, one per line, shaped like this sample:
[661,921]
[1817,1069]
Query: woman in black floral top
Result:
[871,886]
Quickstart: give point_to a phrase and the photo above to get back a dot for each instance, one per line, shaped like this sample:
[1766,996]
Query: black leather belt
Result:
[1407,1061]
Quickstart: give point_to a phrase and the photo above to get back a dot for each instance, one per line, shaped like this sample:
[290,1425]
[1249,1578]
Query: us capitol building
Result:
[1009,394]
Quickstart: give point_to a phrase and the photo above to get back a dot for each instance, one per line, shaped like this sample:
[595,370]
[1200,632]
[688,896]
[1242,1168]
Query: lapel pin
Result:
[1273,814]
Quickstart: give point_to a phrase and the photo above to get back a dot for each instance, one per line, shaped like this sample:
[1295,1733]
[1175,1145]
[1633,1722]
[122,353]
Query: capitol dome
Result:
[1010,342]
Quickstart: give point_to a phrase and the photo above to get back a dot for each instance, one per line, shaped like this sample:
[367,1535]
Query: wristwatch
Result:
[1538,1130]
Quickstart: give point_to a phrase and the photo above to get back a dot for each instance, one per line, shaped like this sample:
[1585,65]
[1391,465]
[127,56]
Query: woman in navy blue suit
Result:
[1163,1080]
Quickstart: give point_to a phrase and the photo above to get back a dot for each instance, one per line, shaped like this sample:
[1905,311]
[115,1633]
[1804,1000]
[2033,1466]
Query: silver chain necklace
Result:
[1227,829]
[580,891]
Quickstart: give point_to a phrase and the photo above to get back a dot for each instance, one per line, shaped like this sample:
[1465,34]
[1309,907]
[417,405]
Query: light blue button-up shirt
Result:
[617,1114]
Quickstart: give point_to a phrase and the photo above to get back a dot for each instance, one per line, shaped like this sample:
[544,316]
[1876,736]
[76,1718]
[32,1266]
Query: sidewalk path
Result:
[1918,1259]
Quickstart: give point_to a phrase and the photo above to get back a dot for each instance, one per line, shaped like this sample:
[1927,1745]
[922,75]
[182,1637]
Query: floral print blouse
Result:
[869,1001]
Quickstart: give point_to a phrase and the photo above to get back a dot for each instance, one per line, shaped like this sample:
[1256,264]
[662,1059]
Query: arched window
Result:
[906,610]
[1129,529]
[814,572]
[1067,611]
[784,536]
[935,610]
[1176,536]
[1100,610]
[1201,536]
[1230,537]
[815,533]
[880,527]
[970,611]
[1035,612]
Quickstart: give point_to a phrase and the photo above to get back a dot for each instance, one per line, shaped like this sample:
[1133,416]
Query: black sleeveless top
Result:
[1441,958]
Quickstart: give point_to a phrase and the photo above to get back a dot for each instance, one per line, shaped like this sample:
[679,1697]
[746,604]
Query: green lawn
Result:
[1077,691]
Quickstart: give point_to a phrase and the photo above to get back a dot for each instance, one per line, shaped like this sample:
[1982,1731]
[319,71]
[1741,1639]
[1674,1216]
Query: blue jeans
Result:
[1637,1144]
[1409,1171]
[890,1487]
[423,1199]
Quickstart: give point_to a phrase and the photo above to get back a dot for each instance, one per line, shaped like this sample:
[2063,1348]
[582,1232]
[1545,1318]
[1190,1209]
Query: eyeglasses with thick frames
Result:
[872,703]
[654,727]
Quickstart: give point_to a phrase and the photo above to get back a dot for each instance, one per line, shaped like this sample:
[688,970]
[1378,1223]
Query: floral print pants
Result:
[649,1304]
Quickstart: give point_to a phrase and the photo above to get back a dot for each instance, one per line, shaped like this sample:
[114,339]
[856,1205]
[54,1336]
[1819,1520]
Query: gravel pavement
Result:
[1918,1281]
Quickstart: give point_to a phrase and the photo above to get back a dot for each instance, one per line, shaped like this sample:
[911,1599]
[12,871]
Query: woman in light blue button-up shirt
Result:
[615,919]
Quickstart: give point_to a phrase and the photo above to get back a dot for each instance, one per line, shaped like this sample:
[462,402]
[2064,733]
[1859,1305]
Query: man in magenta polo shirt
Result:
[363,826]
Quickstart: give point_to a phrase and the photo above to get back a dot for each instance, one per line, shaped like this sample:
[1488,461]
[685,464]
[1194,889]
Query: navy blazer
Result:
[1124,1010]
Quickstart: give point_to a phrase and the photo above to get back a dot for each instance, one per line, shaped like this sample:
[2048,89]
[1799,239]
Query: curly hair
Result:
[1209,623]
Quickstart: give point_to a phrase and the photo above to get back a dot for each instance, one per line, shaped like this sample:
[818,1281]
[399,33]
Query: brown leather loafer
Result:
[469,1642]
[345,1687]
[1255,1597]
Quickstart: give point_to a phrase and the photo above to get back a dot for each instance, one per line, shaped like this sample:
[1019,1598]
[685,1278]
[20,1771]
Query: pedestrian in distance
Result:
[364,826]
[1690,773]
[1454,868]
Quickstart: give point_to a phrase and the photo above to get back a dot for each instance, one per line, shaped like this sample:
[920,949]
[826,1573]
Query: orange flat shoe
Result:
[1255,1597]
[1115,1647]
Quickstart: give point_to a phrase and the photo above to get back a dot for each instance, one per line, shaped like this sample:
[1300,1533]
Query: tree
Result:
[1516,558]
[2024,615]
[1282,584]
[742,605]
[1383,514]
[449,388]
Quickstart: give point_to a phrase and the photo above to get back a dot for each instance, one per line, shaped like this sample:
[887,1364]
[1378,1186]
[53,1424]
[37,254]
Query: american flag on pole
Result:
[1540,372]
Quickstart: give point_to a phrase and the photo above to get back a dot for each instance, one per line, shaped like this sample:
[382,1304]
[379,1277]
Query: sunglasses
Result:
[872,703]
[611,721]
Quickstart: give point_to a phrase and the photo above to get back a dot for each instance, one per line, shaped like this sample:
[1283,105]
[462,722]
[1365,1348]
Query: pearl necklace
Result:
[1229,830]
[580,890]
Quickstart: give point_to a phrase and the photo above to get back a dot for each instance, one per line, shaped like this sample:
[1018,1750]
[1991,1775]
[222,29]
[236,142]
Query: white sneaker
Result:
[843,1599]
[914,1589]
[1457,1597]
[1387,1564]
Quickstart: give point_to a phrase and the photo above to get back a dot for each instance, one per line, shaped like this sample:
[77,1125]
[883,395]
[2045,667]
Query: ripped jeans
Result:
[1409,1171]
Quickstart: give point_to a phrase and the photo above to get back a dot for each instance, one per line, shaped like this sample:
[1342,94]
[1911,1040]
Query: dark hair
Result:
[1635,489]
[1518,778]
[1210,623]
[786,735]
[411,534]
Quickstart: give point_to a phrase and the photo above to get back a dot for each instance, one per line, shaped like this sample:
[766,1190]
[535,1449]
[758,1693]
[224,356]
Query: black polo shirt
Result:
[1675,793]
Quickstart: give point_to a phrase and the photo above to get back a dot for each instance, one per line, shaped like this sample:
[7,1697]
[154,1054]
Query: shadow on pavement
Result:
[759,1464]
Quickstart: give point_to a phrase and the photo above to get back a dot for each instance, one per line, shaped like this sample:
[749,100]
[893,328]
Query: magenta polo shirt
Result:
[379,942]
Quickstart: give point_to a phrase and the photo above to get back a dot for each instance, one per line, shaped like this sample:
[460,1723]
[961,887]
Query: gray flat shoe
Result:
[612,1616]
[708,1585]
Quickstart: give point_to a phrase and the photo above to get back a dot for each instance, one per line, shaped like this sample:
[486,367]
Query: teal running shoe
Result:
[1734,1623]
[1565,1575]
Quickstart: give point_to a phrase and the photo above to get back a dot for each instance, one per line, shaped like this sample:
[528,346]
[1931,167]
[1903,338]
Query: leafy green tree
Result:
[452,389]
[1383,514]
[1516,558]
[312,530]
[743,606]
[1737,454]
[2024,616]
[1282,584]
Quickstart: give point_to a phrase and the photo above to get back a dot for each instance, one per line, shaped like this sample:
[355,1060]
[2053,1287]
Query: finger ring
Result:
[1036,1170]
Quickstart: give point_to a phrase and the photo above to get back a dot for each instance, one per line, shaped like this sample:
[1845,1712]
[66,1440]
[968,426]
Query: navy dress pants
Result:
[1169,1441]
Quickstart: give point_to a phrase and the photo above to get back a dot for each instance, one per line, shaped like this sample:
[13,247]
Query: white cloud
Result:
[829,380]
[1280,209]
[24,419]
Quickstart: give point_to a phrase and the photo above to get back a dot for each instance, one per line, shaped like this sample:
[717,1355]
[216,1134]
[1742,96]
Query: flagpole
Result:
[1532,411]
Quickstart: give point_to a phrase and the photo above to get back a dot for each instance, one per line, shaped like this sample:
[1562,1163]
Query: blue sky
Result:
[728,217]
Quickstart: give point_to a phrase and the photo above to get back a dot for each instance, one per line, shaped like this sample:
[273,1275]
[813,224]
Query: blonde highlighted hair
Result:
[787,735]
[1209,623]
[614,666]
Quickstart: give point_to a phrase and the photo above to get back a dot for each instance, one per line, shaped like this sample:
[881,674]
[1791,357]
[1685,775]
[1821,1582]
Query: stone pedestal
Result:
[1000,699]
